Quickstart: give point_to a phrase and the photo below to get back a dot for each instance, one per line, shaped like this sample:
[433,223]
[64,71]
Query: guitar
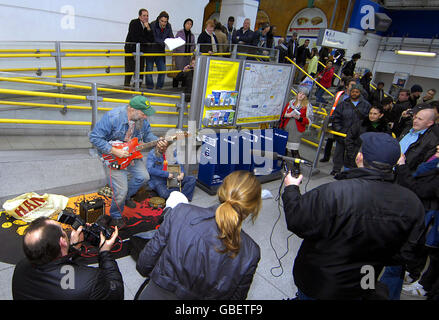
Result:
[134,147]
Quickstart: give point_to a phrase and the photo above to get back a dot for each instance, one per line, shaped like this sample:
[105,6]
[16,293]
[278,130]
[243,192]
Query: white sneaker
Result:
[414,289]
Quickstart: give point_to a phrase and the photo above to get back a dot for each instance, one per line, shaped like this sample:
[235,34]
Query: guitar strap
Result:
[165,163]
[130,131]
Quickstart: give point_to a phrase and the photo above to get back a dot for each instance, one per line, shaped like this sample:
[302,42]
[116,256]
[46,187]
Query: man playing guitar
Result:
[118,125]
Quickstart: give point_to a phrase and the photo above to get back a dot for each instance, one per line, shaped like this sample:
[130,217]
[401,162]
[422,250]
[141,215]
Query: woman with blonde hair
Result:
[295,117]
[203,253]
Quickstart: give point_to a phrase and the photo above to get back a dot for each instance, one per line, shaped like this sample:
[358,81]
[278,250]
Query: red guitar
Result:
[134,147]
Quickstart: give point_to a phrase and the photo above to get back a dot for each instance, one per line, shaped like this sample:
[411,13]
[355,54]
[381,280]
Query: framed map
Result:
[263,92]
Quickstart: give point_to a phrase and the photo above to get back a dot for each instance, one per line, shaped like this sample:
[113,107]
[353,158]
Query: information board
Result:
[263,92]
[220,94]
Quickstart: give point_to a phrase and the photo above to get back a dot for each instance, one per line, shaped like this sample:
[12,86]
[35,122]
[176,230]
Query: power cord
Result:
[279,206]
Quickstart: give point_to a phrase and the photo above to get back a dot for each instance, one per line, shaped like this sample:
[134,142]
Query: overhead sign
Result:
[363,15]
[333,39]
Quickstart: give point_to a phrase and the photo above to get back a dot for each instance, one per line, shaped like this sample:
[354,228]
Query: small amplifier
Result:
[91,210]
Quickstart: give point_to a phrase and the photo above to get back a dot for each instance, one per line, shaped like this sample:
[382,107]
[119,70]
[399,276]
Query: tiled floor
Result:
[269,231]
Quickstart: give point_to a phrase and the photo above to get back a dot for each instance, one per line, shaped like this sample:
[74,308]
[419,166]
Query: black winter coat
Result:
[346,114]
[182,257]
[421,150]
[205,42]
[353,141]
[136,33]
[425,184]
[363,219]
[45,282]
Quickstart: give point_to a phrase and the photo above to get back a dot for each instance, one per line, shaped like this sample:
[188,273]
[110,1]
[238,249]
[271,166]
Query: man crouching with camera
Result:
[49,273]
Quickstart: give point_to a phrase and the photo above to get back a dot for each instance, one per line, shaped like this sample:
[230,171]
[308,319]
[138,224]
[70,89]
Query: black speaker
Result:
[382,22]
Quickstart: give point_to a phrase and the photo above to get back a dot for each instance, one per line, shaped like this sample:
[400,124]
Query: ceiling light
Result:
[416,53]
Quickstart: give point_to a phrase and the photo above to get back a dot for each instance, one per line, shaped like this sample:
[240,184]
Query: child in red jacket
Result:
[325,79]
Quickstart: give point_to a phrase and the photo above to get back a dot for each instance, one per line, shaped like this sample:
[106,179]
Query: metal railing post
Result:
[94,104]
[137,68]
[181,107]
[235,51]
[58,65]
[321,141]
[276,55]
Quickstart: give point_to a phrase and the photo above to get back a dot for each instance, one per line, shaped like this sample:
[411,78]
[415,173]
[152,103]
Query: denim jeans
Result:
[125,183]
[161,66]
[393,278]
[188,186]
[319,95]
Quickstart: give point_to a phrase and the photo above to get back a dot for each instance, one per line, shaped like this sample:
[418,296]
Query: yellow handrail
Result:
[253,55]
[310,77]
[74,86]
[59,106]
[25,55]
[98,55]
[73,123]
[43,94]
[310,142]
[336,75]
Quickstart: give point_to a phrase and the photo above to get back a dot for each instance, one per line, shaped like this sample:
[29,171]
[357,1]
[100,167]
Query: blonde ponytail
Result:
[240,196]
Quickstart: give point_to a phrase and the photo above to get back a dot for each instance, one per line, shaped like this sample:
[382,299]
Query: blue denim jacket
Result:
[154,164]
[113,126]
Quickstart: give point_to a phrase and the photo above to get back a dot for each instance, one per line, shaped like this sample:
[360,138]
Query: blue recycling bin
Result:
[223,153]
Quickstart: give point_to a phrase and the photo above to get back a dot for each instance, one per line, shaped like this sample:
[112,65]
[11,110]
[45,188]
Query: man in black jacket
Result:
[353,227]
[139,31]
[353,109]
[162,30]
[303,53]
[49,273]
[373,123]
[292,45]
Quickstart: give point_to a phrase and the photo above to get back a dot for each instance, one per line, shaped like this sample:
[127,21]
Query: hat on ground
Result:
[176,198]
[143,104]
[380,147]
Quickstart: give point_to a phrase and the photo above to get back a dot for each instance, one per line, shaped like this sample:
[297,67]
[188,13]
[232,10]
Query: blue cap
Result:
[380,147]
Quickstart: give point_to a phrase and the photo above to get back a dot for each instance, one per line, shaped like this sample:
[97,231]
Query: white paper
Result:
[173,43]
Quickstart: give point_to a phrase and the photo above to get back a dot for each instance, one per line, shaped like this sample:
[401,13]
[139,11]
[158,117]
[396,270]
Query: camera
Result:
[410,112]
[91,232]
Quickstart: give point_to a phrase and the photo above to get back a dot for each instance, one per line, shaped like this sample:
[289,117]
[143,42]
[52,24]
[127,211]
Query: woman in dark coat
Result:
[207,45]
[373,123]
[181,61]
[202,253]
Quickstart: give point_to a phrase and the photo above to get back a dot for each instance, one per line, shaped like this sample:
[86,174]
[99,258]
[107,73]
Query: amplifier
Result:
[91,210]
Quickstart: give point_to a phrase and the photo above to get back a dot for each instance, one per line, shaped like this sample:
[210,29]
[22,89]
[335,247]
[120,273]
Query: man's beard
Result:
[139,124]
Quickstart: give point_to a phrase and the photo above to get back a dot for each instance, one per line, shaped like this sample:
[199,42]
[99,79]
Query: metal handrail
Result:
[75,107]
[77,123]
[314,80]
[74,86]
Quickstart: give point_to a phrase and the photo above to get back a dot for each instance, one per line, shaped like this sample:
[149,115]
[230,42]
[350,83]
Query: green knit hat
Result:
[142,103]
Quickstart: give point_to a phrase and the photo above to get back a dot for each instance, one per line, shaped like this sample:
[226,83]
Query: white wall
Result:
[97,20]
[384,63]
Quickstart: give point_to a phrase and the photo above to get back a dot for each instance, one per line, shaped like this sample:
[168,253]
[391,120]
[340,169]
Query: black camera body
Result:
[92,233]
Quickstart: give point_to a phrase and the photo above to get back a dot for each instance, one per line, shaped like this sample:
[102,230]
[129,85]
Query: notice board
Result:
[263,92]
[220,93]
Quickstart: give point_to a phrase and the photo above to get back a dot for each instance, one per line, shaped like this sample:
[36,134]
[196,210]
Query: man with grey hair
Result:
[419,143]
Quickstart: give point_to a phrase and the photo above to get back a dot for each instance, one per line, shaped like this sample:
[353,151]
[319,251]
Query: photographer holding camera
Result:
[48,272]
